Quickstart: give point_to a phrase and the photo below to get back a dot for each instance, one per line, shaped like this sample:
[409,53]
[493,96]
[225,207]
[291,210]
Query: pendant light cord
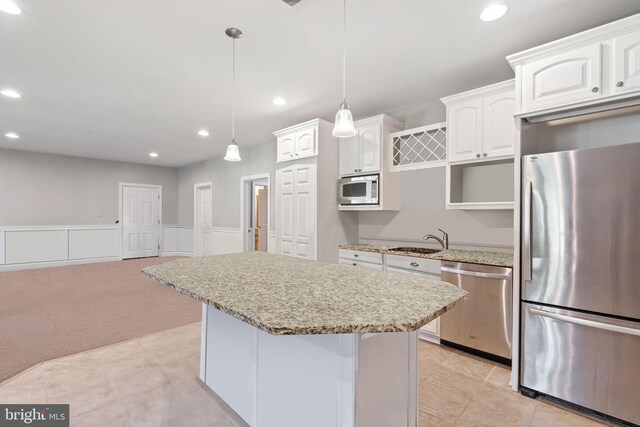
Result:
[233,95]
[344,53]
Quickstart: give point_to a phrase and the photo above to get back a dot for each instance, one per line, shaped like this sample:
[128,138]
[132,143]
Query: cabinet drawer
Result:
[423,265]
[377,267]
[372,257]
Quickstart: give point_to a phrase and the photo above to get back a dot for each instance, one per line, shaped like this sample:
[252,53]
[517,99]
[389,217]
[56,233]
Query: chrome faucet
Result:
[444,241]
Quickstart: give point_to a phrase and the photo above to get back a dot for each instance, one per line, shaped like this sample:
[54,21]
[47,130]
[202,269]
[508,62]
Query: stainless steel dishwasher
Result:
[482,322]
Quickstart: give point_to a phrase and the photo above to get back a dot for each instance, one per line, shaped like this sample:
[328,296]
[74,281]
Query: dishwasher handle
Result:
[476,273]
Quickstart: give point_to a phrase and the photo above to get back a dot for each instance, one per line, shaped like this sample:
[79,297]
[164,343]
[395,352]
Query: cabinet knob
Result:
[290,155]
[355,170]
[415,264]
[355,255]
[620,83]
[595,89]
[485,154]
[355,265]
[478,155]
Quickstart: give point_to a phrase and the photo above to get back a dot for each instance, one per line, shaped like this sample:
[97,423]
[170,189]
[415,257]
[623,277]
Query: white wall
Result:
[44,189]
[225,177]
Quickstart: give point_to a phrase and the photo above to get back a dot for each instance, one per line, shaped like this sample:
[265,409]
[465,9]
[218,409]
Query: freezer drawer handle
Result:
[477,273]
[585,322]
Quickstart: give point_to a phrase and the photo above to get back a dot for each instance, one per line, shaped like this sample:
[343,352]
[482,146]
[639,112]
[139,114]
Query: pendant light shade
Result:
[233,153]
[344,127]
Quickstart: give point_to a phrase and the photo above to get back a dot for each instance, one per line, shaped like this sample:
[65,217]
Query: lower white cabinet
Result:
[372,260]
[378,267]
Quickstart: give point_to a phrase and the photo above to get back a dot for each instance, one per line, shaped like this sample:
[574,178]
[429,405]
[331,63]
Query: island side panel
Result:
[387,380]
[230,361]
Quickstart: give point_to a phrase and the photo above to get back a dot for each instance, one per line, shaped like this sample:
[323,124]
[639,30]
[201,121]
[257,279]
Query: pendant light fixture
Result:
[233,154]
[344,120]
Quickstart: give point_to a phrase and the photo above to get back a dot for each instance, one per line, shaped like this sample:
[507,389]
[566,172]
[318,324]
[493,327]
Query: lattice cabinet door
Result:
[419,148]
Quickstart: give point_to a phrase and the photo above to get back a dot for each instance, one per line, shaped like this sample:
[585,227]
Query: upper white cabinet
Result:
[626,63]
[364,153]
[297,142]
[580,72]
[481,124]
[563,79]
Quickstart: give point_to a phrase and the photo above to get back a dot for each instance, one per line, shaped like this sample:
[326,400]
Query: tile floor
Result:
[151,382]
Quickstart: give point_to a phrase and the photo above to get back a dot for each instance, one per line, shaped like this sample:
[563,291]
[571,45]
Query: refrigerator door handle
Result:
[585,322]
[526,225]
[476,273]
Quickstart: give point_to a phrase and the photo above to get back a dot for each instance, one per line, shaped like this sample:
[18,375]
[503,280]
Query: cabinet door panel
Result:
[626,63]
[286,148]
[349,156]
[563,79]
[306,143]
[499,125]
[370,141]
[305,211]
[285,210]
[464,125]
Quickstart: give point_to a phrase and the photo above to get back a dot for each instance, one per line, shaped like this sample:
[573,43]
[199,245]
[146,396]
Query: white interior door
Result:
[140,221]
[204,220]
[305,210]
[285,208]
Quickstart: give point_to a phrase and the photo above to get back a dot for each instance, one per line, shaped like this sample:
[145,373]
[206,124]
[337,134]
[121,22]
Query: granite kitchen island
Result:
[289,342]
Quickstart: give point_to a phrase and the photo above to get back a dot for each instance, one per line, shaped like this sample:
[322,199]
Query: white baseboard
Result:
[428,337]
[189,254]
[48,264]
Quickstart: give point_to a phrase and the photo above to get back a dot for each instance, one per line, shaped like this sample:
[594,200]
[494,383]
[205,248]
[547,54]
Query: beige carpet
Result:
[55,312]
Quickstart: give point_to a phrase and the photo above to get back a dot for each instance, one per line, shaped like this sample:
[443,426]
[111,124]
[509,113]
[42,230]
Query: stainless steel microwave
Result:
[359,190]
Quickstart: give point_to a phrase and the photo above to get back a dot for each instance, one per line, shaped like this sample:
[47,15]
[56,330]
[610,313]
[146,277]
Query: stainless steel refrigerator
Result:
[581,278]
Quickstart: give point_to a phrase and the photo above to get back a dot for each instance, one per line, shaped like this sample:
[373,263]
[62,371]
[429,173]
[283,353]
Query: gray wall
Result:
[225,177]
[45,189]
[423,202]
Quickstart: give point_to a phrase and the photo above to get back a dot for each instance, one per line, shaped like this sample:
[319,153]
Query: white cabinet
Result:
[587,72]
[295,203]
[298,142]
[370,260]
[481,123]
[304,189]
[563,79]
[464,127]
[626,63]
[364,153]
[377,267]
[498,124]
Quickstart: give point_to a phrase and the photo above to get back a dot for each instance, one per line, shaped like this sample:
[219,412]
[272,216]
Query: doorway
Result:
[255,207]
[203,218]
[140,220]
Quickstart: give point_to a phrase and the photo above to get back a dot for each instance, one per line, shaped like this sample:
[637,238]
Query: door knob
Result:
[478,155]
[620,83]
[595,89]
[485,154]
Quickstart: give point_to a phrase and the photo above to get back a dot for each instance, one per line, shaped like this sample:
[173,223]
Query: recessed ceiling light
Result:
[493,12]
[9,7]
[153,154]
[203,132]
[10,93]
[279,101]
[12,135]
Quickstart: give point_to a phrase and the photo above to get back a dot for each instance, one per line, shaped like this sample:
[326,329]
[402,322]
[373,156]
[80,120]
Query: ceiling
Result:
[117,79]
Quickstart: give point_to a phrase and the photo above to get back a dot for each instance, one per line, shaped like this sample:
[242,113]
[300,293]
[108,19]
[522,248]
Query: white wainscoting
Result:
[272,246]
[177,240]
[38,247]
[227,240]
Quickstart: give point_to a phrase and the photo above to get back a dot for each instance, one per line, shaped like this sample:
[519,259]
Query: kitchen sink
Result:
[416,250]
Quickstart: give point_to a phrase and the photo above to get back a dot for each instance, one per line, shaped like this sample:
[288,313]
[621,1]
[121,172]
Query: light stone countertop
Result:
[284,295]
[454,255]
